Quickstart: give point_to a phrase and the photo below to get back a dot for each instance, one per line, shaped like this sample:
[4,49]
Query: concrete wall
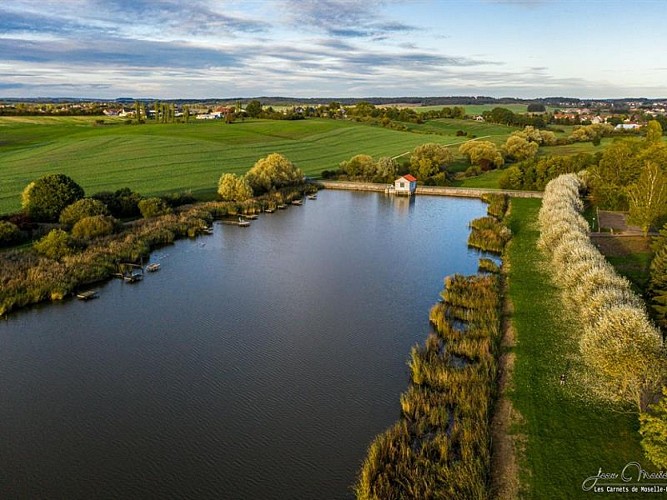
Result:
[428,190]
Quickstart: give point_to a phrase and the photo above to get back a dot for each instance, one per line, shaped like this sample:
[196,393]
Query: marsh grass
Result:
[29,278]
[441,446]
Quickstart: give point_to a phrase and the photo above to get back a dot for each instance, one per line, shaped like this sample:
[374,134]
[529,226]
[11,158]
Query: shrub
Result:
[55,245]
[9,233]
[152,207]
[85,207]
[94,226]
[46,197]
[123,203]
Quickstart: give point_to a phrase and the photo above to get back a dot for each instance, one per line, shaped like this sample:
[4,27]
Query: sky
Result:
[197,49]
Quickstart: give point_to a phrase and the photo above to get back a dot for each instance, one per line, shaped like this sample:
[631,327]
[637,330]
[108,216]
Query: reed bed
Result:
[625,352]
[488,266]
[441,446]
[27,277]
[498,205]
[489,234]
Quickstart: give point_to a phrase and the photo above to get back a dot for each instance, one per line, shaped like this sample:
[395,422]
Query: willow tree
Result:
[482,153]
[430,159]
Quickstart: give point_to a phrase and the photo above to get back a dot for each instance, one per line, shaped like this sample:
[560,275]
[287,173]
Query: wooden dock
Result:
[87,295]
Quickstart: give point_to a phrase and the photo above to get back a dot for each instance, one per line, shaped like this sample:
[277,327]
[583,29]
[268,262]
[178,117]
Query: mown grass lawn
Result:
[162,158]
[566,436]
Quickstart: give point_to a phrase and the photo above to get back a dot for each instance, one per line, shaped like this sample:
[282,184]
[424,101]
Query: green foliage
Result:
[653,428]
[231,187]
[362,166]
[85,207]
[429,160]
[254,108]
[653,132]
[658,280]
[46,197]
[489,235]
[273,172]
[94,226]
[55,245]
[482,153]
[152,207]
[386,169]
[123,203]
[488,266]
[648,197]
[9,233]
[618,168]
[535,174]
[520,148]
[536,108]
[498,204]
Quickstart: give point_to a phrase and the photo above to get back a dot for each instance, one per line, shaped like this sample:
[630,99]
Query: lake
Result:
[258,362]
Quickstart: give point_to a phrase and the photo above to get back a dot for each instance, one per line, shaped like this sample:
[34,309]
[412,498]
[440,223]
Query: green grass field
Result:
[566,438]
[157,158]
[476,109]
[493,132]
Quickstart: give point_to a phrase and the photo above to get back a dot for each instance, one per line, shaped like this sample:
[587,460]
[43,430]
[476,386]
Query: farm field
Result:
[493,132]
[565,436]
[475,109]
[158,158]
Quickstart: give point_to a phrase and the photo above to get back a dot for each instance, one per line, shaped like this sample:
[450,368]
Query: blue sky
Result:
[333,48]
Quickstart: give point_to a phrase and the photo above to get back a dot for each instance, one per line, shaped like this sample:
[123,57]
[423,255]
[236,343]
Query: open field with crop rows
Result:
[159,158]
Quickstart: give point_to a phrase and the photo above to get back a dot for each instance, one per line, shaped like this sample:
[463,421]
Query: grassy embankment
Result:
[157,158]
[565,437]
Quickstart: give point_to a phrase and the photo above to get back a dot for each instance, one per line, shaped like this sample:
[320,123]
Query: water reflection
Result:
[258,363]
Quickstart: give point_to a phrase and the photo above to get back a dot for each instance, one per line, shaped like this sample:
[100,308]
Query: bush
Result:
[9,233]
[152,207]
[55,245]
[94,226]
[86,207]
[123,203]
[46,197]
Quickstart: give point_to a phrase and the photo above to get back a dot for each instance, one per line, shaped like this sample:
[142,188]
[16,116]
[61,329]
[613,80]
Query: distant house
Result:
[627,126]
[405,185]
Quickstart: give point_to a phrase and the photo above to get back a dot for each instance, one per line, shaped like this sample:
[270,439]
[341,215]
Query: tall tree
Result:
[653,132]
[482,153]
[253,108]
[46,197]
[430,159]
[648,197]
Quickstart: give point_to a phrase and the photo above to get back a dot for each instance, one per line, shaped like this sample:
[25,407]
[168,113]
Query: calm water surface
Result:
[258,363]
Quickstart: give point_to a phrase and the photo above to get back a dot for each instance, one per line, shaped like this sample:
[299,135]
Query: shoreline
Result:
[459,192]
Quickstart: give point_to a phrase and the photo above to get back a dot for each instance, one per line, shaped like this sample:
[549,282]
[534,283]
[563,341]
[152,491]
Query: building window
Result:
[402,184]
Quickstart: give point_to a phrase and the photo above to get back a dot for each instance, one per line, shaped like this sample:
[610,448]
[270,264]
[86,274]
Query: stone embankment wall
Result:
[428,190]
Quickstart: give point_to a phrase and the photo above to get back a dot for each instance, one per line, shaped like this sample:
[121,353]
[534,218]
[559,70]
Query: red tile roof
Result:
[409,178]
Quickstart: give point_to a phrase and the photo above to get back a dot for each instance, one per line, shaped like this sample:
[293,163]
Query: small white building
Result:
[405,185]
